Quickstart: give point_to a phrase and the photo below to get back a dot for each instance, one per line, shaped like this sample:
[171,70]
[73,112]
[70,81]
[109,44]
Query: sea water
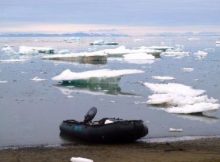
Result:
[31,111]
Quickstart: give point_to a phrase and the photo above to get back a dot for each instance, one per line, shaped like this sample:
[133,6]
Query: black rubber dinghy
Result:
[118,131]
[106,130]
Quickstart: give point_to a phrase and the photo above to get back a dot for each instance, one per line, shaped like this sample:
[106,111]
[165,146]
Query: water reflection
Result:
[95,86]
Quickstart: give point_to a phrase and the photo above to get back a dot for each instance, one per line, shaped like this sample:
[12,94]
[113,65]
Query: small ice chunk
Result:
[80,159]
[103,73]
[217,42]
[163,78]
[200,54]
[161,48]
[193,39]
[37,79]
[63,51]
[35,50]
[8,49]
[178,53]
[175,130]
[108,121]
[186,69]
[13,60]
[3,81]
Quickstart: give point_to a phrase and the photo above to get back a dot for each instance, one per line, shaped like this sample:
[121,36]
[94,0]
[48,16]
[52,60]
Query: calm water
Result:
[30,112]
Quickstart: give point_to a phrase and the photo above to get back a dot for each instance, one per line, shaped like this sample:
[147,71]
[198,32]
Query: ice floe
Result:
[119,51]
[201,54]
[82,57]
[8,49]
[102,42]
[37,79]
[35,50]
[103,73]
[186,69]
[163,78]
[12,60]
[178,53]
[80,159]
[3,81]
[175,129]
[180,99]
[139,58]
[161,48]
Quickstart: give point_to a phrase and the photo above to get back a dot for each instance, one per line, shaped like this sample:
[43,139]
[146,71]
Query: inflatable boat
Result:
[106,130]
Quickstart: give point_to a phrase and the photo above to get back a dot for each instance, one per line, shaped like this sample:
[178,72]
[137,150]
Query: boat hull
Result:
[120,131]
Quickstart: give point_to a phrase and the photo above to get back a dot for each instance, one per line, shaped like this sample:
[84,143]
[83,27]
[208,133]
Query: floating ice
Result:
[74,55]
[80,159]
[193,39]
[163,78]
[121,50]
[174,88]
[102,42]
[175,53]
[161,48]
[13,60]
[195,108]
[63,51]
[3,81]
[217,42]
[187,69]
[175,130]
[37,79]
[181,99]
[200,54]
[8,49]
[35,50]
[83,57]
[103,73]
[139,58]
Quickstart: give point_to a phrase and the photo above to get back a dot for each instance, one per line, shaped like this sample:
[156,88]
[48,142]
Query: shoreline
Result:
[206,149]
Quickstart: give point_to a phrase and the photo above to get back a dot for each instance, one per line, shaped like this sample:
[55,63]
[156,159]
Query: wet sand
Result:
[203,150]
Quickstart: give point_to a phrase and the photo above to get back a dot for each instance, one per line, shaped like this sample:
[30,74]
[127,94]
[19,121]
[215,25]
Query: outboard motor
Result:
[90,115]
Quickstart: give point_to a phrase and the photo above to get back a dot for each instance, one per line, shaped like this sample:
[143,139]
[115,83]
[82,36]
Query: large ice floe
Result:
[82,57]
[180,99]
[68,75]
[27,50]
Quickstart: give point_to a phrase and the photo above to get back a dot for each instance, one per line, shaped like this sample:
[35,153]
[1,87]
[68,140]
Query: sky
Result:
[21,14]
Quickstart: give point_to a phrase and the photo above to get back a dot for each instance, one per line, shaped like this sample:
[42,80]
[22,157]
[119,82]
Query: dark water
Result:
[30,112]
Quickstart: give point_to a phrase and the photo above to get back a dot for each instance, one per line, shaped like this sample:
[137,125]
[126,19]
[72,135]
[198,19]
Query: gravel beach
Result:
[203,150]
